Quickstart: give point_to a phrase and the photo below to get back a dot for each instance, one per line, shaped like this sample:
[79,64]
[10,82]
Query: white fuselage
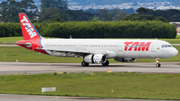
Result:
[116,48]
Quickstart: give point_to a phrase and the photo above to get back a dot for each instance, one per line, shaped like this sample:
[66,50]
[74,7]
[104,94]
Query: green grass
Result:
[10,39]
[178,37]
[172,41]
[11,54]
[124,85]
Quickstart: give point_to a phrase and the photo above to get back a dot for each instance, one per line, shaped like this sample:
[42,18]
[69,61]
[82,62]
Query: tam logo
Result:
[28,27]
[137,46]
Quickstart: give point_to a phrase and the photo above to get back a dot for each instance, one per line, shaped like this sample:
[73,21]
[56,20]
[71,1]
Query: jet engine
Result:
[96,58]
[125,59]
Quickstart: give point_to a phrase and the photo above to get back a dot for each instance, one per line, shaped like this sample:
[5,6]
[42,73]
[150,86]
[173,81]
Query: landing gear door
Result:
[153,47]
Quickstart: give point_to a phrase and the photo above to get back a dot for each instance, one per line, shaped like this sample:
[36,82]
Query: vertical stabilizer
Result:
[28,30]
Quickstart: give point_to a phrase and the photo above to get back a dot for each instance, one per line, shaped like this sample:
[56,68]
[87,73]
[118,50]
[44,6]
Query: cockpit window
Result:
[165,46]
[169,45]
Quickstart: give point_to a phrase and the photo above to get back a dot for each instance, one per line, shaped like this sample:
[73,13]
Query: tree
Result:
[46,3]
[95,19]
[137,17]
[123,14]
[172,15]
[117,14]
[103,14]
[53,7]
[61,4]
[48,13]
[29,7]
[9,9]
[141,10]
[78,15]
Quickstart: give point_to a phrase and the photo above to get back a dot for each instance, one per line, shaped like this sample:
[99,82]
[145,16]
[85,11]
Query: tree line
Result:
[138,17]
[55,20]
[109,29]
[53,11]
[172,15]
[57,11]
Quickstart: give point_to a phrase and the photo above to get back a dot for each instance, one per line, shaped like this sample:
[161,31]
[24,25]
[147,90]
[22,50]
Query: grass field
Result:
[10,39]
[173,41]
[11,54]
[124,85]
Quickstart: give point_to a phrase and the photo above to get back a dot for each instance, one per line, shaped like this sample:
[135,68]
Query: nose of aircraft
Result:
[174,52]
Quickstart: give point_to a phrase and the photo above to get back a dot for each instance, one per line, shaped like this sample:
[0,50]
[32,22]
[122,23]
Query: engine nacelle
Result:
[125,59]
[96,58]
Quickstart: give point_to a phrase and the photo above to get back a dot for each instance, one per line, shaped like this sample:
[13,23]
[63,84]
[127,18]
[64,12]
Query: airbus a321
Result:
[95,51]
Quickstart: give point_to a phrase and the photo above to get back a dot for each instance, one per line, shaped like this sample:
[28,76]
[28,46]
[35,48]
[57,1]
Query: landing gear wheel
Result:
[157,62]
[106,63]
[84,64]
[158,65]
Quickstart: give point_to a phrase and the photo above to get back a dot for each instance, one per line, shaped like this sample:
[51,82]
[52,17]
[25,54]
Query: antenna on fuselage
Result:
[156,38]
[70,36]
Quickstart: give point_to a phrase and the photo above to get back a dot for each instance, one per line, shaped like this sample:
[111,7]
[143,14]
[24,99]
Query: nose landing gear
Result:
[157,63]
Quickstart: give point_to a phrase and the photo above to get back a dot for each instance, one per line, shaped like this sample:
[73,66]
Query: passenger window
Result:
[162,46]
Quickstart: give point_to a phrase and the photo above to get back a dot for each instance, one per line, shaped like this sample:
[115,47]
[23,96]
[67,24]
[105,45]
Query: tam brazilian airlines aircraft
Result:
[95,51]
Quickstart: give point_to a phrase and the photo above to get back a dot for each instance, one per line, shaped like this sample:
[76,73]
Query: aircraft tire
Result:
[158,65]
[84,64]
[106,63]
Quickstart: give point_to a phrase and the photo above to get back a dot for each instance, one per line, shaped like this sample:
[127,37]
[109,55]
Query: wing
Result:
[77,52]
[109,54]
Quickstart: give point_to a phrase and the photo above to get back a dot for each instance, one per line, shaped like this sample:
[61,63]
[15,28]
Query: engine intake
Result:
[96,58]
[125,59]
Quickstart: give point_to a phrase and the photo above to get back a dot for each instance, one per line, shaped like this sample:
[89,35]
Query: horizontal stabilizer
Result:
[26,44]
[9,42]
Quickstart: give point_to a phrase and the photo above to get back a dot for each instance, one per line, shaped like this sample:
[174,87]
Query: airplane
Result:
[94,51]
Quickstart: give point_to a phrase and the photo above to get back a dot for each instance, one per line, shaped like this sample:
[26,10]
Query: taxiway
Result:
[9,97]
[13,68]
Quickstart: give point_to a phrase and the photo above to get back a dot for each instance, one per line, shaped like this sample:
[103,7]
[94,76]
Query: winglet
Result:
[28,30]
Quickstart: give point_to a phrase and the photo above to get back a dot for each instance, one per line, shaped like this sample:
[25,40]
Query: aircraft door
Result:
[153,47]
[120,50]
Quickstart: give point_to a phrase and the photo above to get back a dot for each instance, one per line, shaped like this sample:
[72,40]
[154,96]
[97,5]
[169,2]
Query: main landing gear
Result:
[85,64]
[106,63]
[157,63]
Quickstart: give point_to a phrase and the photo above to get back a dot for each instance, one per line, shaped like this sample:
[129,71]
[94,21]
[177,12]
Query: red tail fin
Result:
[28,30]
